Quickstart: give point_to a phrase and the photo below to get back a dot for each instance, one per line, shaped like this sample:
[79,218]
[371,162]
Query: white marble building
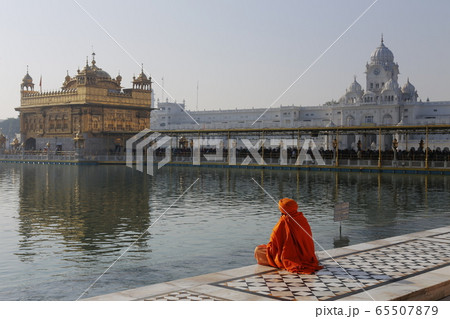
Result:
[383,102]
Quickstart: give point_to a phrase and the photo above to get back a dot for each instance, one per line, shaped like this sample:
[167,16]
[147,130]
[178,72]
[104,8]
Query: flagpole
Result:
[162,91]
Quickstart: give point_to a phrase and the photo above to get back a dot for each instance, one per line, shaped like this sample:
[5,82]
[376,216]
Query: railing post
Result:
[379,148]
[426,147]
[337,149]
[228,147]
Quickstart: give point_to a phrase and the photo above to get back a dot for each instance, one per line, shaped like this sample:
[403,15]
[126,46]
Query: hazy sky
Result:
[242,53]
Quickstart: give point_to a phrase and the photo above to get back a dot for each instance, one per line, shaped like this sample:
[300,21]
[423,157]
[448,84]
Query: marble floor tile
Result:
[371,267]
[382,270]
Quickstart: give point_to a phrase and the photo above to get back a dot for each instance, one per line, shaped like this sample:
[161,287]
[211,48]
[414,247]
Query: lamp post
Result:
[335,145]
[394,148]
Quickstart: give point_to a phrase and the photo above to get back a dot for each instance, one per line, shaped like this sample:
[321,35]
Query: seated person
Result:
[291,245]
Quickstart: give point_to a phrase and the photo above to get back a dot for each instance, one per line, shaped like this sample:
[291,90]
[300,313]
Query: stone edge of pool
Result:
[256,282]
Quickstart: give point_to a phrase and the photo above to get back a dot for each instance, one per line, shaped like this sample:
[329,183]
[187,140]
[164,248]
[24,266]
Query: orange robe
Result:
[291,246]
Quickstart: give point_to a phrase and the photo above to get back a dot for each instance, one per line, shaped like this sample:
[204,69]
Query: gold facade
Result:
[92,104]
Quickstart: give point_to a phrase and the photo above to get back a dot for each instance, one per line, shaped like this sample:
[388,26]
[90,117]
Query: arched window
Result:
[350,120]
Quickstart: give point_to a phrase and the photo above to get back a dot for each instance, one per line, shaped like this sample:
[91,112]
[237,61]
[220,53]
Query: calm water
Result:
[62,226]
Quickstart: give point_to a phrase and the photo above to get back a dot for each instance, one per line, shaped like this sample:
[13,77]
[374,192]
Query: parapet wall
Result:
[87,95]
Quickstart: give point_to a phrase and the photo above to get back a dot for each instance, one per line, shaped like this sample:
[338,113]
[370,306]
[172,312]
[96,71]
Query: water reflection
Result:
[80,207]
[87,207]
[63,225]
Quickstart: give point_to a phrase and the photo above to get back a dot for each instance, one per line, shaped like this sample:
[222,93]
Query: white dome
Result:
[354,87]
[408,88]
[382,55]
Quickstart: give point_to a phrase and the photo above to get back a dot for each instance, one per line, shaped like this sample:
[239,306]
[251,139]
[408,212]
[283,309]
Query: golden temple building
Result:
[90,111]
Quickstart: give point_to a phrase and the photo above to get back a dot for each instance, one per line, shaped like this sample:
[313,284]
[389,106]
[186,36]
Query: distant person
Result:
[291,245]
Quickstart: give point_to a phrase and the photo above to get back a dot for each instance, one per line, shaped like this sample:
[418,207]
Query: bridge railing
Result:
[438,162]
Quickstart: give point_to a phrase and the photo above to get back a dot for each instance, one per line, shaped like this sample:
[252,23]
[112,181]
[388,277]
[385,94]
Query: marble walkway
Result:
[410,267]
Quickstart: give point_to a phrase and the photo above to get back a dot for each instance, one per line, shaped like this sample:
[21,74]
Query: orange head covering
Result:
[291,244]
[287,206]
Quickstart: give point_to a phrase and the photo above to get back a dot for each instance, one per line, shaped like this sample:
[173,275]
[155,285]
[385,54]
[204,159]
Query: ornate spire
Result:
[118,78]
[67,77]
[142,82]
[382,41]
[93,58]
[27,82]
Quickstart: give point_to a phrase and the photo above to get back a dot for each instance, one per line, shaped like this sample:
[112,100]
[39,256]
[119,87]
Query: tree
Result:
[10,127]
[329,103]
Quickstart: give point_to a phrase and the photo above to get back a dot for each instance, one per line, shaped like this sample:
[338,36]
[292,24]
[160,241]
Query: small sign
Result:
[341,211]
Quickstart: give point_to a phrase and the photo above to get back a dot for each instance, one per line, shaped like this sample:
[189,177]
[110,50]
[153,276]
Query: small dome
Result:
[382,55]
[142,82]
[27,78]
[354,87]
[142,77]
[408,88]
[27,82]
[67,78]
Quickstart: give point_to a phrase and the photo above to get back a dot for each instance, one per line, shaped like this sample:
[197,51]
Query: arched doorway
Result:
[350,121]
[30,144]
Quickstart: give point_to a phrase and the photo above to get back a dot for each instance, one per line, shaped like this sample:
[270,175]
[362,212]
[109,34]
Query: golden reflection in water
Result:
[78,206]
